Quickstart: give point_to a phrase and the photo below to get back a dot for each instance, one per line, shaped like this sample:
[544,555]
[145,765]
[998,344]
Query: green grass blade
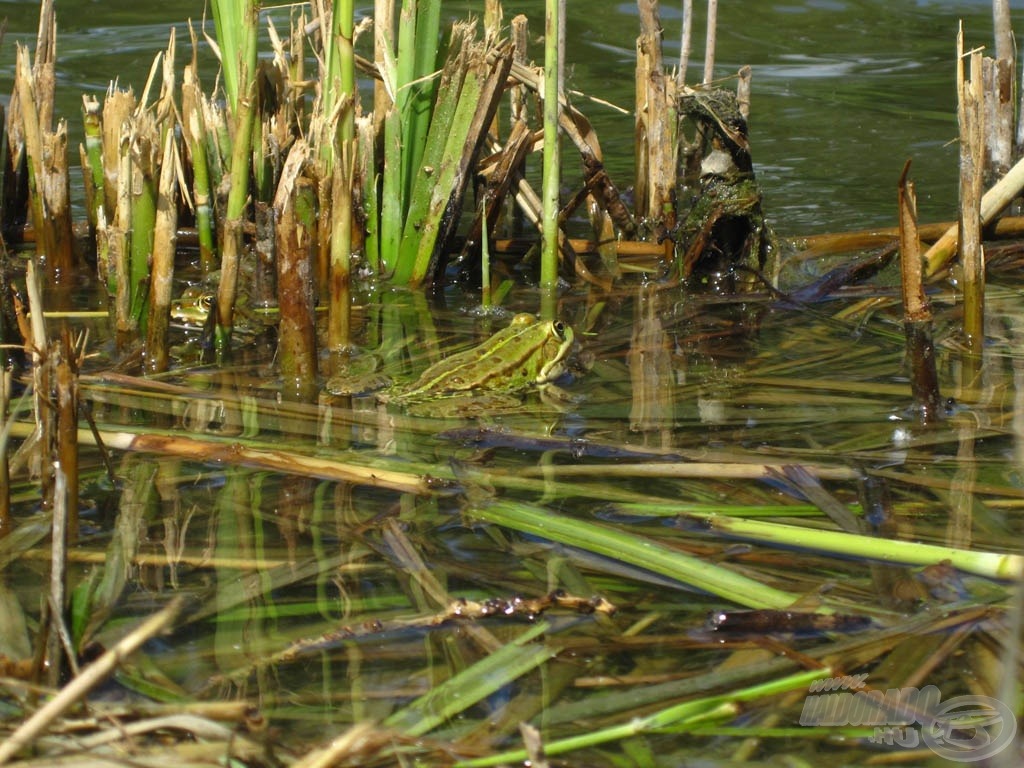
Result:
[474,684]
[636,550]
[677,718]
[992,564]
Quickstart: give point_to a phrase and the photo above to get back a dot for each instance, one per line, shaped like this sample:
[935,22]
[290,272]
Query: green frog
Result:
[193,307]
[192,310]
[487,378]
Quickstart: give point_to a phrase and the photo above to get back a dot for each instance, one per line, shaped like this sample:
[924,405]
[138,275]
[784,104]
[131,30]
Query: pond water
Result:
[325,569]
[843,92]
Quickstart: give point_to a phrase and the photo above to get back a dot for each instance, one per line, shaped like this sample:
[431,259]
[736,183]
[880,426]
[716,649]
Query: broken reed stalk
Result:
[119,245]
[915,303]
[383,45]
[998,87]
[554,25]
[88,679]
[49,188]
[366,173]
[165,243]
[971,116]
[655,142]
[92,161]
[295,209]
[1000,195]
[41,379]
[67,429]
[917,314]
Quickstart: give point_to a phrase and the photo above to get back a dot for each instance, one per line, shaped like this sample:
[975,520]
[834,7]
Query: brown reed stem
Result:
[295,208]
[970,105]
[162,271]
[67,429]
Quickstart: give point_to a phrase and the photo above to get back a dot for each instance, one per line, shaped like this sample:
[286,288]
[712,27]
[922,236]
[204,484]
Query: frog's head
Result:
[558,343]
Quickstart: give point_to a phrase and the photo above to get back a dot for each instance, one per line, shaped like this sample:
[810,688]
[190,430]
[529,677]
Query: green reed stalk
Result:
[417,114]
[452,118]
[553,13]
[397,73]
[338,319]
[338,96]
[233,225]
[236,33]
[485,259]
[391,198]
[144,137]
[635,550]
[194,132]
[92,154]
[997,565]
[340,75]
[235,23]
[678,718]
[475,683]
[409,121]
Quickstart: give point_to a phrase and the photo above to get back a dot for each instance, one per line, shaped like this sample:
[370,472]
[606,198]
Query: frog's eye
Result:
[559,327]
[206,301]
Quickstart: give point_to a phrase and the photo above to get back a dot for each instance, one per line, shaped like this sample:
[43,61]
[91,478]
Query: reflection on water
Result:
[326,566]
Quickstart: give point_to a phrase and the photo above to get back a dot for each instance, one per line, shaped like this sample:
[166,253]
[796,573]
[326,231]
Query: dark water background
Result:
[843,92]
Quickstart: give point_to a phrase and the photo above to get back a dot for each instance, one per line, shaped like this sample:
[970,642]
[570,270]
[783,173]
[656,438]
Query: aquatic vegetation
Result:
[744,497]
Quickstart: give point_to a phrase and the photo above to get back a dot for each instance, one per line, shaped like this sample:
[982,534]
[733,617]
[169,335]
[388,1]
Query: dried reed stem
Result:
[970,115]
[67,428]
[710,42]
[90,677]
[165,242]
[915,304]
[917,316]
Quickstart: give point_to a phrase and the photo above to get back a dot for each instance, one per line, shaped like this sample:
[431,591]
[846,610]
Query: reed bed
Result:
[768,492]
